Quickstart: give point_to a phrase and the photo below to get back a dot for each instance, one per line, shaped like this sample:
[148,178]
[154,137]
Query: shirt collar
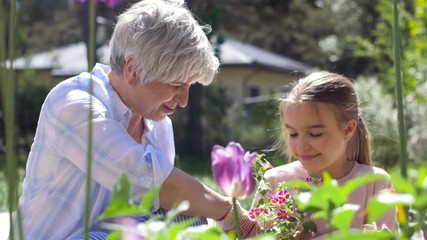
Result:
[121,111]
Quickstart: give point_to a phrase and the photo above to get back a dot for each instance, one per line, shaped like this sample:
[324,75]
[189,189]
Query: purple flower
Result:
[110,3]
[233,170]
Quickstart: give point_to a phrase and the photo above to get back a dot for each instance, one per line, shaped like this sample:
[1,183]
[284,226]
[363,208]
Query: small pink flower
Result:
[277,202]
[265,166]
[254,213]
[264,210]
[284,194]
[283,214]
[277,199]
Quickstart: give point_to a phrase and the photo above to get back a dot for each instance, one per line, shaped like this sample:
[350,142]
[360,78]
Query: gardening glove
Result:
[248,227]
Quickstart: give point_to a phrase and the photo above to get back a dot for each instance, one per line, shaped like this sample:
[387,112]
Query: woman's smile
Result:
[167,110]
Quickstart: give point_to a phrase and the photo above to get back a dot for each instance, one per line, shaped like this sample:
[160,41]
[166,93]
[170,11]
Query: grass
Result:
[4,189]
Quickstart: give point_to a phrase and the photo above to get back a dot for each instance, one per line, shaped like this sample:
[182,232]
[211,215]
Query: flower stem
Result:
[236,218]
[89,154]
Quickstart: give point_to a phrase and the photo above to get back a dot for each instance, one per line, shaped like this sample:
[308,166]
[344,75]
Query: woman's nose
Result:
[181,97]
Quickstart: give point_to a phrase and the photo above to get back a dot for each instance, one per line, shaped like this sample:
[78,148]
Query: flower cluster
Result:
[276,210]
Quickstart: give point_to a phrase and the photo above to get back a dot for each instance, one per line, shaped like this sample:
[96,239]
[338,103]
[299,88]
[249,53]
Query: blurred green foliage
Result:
[31,90]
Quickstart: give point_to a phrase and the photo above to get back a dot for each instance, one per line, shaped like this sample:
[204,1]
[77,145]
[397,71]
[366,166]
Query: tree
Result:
[45,24]
[414,72]
[291,28]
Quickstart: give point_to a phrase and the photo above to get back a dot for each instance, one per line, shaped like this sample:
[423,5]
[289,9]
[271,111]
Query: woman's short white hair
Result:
[167,41]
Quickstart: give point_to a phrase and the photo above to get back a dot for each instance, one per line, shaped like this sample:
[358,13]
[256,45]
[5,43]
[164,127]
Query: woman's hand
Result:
[248,227]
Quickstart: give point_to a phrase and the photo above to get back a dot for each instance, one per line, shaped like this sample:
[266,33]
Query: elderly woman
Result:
[158,50]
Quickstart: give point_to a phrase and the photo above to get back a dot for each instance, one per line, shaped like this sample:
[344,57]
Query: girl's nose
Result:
[302,145]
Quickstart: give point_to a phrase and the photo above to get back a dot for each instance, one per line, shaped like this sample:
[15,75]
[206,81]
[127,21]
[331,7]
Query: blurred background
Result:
[263,46]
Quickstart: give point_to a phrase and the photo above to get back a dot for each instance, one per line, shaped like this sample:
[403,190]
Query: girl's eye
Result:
[316,134]
[293,135]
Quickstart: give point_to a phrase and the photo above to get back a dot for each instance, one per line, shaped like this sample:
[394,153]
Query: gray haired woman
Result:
[158,50]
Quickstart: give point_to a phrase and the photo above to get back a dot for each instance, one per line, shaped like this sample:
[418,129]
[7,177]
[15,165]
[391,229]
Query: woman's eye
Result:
[176,86]
[316,134]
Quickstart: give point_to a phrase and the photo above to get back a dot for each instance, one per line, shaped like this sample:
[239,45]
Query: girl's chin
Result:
[313,171]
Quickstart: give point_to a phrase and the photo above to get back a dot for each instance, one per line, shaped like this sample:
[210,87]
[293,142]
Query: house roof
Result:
[235,53]
[70,60]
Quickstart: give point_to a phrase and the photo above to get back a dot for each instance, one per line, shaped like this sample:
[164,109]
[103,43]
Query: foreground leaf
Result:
[120,204]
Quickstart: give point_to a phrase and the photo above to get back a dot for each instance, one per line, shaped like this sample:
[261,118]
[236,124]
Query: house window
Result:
[254,92]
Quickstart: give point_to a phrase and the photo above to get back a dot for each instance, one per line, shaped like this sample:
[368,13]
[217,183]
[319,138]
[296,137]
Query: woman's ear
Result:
[130,72]
[350,129]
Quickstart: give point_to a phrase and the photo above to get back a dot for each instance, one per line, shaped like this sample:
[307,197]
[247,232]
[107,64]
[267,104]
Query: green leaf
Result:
[202,233]
[327,179]
[421,202]
[377,209]
[342,217]
[148,199]
[422,178]
[119,200]
[309,226]
[355,183]
[360,235]
[302,185]
[116,235]
[403,185]
[320,214]
[323,197]
[120,204]
[175,229]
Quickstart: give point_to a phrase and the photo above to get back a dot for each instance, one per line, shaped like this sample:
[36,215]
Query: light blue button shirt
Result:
[54,187]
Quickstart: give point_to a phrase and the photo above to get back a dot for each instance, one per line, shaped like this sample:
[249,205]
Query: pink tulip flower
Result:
[233,170]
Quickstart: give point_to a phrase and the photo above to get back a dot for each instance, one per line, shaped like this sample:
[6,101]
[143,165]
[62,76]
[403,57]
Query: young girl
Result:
[324,131]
